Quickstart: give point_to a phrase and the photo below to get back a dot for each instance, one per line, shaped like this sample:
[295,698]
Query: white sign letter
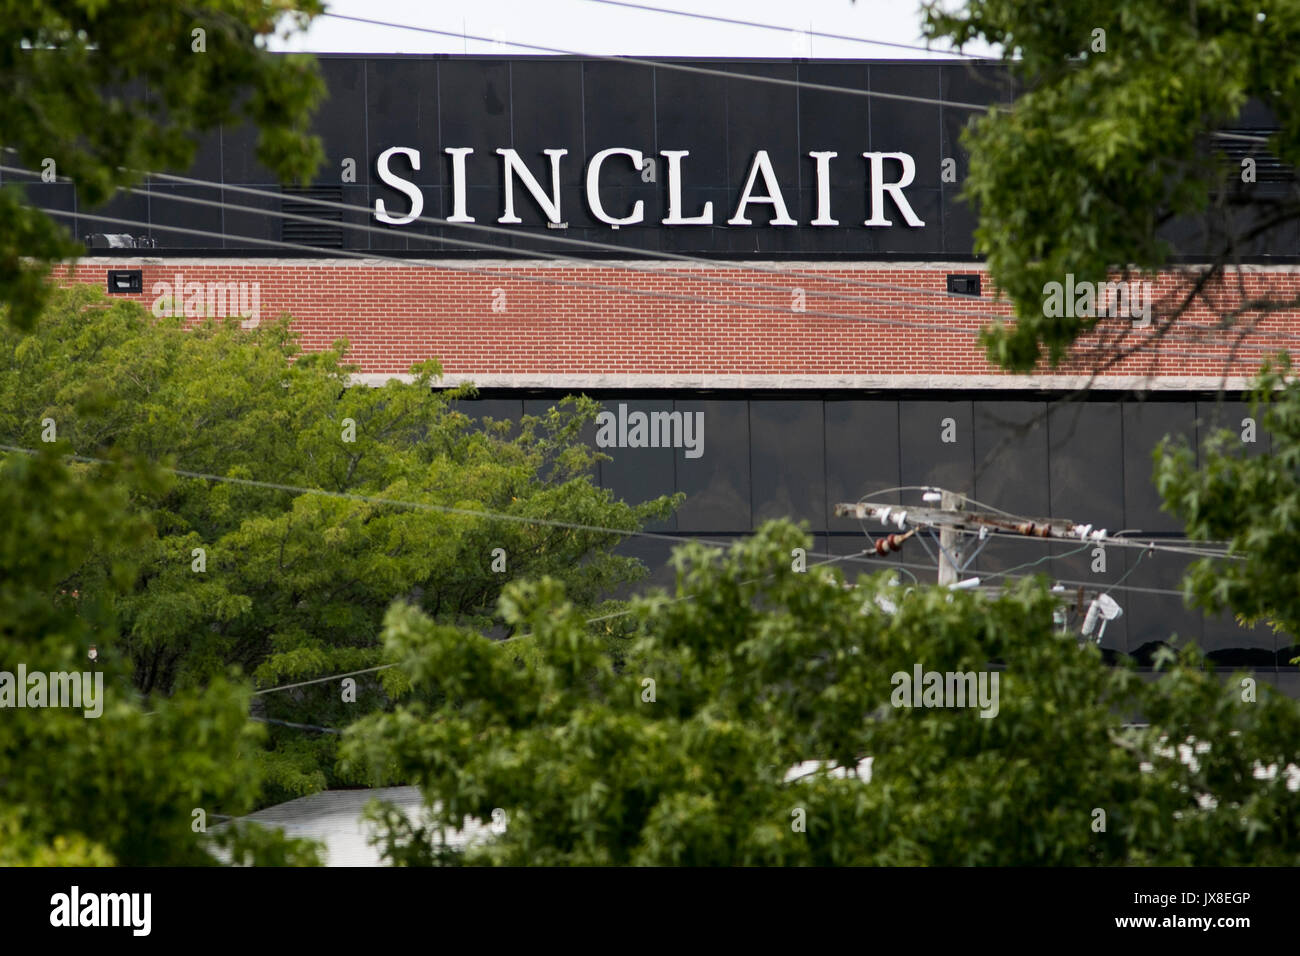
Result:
[675,217]
[593,187]
[512,164]
[780,215]
[403,186]
[458,154]
[824,189]
[879,187]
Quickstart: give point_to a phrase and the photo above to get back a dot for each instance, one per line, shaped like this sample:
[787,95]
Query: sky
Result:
[602,28]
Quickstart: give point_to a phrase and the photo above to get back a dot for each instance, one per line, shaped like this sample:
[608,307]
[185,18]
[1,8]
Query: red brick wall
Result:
[587,319]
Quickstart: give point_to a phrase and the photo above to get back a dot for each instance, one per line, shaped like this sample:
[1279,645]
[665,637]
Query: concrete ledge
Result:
[593,380]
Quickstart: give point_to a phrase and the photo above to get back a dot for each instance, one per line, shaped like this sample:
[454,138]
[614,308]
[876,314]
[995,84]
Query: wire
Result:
[691,597]
[1120,542]
[990,303]
[1241,136]
[277,214]
[547,237]
[666,65]
[1033,564]
[322,680]
[517,637]
[1155,345]
[781,29]
[893,565]
[1110,539]
[993,532]
[1125,575]
[287,723]
[545,280]
[420,505]
[783,310]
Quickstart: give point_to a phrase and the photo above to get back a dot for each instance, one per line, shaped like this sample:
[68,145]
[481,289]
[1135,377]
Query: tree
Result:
[100,92]
[280,581]
[106,782]
[756,669]
[1112,141]
[1252,502]
[1109,140]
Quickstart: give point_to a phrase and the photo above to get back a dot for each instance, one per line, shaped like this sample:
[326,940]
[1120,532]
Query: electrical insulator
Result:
[890,542]
[1090,621]
[1029,529]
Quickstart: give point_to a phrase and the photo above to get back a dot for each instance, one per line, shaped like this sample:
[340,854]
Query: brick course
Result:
[586,322]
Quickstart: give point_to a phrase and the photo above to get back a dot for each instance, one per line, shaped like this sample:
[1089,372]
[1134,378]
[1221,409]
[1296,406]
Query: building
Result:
[773,249]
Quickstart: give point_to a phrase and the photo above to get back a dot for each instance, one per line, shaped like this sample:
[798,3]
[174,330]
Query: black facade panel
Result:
[498,409]
[861,455]
[766,458]
[1086,441]
[717,484]
[788,461]
[1236,418]
[937,445]
[475,111]
[1011,463]
[639,474]
[547,106]
[527,103]
[136,208]
[344,115]
[208,159]
[1156,619]
[163,205]
[1145,424]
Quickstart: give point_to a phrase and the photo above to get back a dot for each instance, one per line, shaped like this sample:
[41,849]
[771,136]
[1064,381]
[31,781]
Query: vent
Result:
[118,240]
[1268,168]
[125,281]
[326,229]
[964,285]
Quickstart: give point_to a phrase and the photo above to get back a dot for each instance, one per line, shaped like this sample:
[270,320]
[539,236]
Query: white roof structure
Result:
[334,818]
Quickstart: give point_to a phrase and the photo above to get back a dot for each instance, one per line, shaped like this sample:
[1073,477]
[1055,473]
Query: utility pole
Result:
[953,522]
[950,550]
[959,529]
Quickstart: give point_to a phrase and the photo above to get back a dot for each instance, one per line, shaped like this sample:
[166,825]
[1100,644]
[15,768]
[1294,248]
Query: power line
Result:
[562,240]
[1240,136]
[784,310]
[418,505]
[726,74]
[193,200]
[1118,538]
[1049,530]
[446,509]
[781,29]
[295,726]
[1124,576]
[1154,347]
[591,620]
[545,280]
[621,250]
[488,515]
[690,597]
[677,66]
[322,680]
